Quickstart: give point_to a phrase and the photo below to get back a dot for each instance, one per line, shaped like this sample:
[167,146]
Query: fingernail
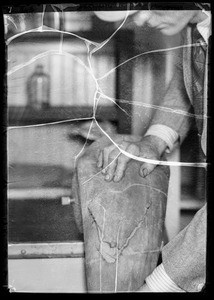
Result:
[145,172]
[116,179]
[107,177]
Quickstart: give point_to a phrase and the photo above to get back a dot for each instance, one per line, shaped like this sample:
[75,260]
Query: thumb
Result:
[146,169]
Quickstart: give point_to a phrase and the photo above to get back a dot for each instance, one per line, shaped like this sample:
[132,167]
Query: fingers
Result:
[106,154]
[100,159]
[115,157]
[112,164]
[121,167]
[123,161]
[146,169]
[109,158]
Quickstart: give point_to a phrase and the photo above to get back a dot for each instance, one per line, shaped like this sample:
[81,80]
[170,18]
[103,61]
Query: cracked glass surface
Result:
[105,78]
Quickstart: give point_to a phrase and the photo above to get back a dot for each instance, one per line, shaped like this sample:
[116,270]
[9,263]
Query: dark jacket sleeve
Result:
[184,257]
[176,110]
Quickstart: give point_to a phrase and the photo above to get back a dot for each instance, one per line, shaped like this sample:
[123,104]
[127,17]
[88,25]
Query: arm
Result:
[175,111]
[171,123]
[183,265]
[184,258]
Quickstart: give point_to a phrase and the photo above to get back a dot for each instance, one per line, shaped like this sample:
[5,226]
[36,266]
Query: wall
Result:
[68,67]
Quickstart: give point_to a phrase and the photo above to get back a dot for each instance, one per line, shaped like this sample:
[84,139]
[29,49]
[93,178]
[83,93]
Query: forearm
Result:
[175,110]
[183,267]
[184,257]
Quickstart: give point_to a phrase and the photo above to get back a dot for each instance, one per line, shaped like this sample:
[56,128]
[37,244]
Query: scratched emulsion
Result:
[92,48]
[116,216]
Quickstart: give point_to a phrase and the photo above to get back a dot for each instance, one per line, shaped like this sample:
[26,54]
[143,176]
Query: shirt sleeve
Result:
[159,281]
[167,134]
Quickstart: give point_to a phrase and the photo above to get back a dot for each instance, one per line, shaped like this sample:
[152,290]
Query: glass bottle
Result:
[38,88]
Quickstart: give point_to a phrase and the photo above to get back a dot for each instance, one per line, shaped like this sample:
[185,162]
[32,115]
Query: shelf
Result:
[46,250]
[97,34]
[19,115]
[43,36]
[38,193]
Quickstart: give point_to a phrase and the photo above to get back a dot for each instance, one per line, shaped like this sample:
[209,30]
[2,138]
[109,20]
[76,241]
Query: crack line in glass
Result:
[98,92]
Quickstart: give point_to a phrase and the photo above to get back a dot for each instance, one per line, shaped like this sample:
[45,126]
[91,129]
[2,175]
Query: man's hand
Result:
[114,163]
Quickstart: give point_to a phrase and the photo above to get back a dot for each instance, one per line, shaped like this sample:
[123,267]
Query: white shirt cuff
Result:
[159,281]
[205,27]
[164,132]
